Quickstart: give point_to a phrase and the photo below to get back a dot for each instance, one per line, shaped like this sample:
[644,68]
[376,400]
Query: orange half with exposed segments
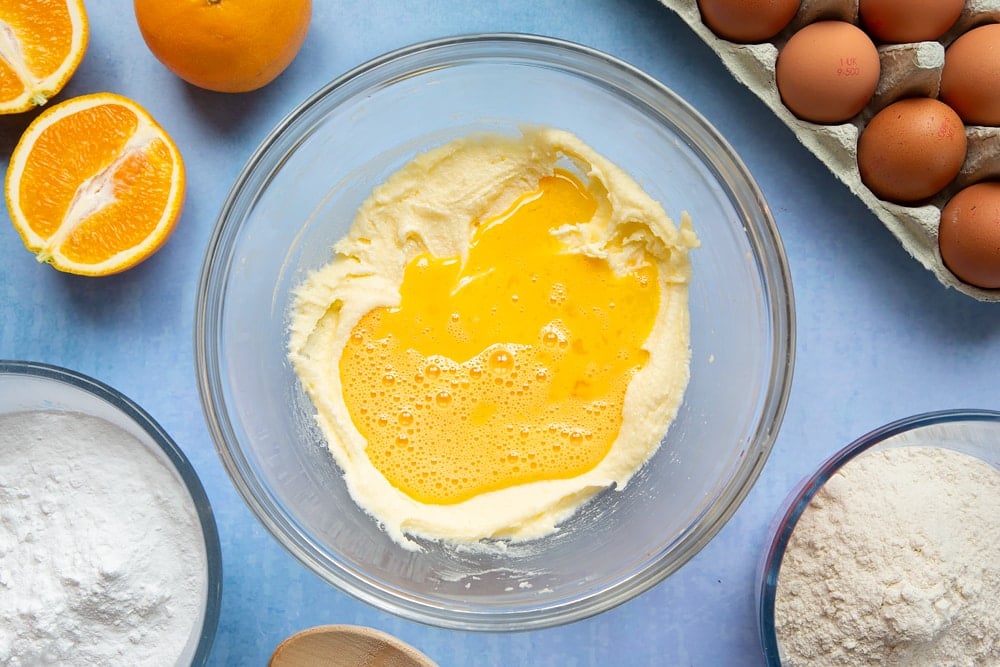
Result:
[41,44]
[95,185]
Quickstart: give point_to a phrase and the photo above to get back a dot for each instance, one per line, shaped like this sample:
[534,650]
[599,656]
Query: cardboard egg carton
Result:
[907,70]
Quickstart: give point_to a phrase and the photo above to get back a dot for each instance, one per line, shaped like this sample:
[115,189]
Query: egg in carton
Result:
[907,70]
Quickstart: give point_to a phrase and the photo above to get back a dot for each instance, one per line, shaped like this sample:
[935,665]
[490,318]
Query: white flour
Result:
[102,560]
[896,562]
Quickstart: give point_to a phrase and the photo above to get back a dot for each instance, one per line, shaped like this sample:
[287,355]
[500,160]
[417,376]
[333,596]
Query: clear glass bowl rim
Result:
[137,414]
[727,167]
[797,501]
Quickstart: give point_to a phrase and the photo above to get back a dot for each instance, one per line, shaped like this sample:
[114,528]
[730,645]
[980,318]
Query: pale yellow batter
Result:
[502,333]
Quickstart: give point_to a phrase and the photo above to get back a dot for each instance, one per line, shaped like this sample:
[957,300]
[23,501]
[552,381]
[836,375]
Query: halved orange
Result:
[41,44]
[95,185]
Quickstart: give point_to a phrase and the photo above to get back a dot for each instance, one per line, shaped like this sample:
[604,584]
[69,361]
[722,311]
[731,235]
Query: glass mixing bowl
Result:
[27,386]
[297,196]
[972,432]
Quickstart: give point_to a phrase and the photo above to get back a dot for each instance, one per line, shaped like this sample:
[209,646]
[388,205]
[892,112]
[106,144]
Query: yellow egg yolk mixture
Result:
[508,368]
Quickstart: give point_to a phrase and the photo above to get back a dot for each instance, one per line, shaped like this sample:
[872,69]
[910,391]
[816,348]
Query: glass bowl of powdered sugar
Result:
[887,554]
[109,552]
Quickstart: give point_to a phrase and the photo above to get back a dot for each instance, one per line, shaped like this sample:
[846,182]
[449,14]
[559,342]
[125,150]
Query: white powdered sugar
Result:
[896,561]
[102,559]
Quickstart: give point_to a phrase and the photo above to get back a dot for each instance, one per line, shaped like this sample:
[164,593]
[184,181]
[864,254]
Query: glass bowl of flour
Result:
[887,553]
[109,552]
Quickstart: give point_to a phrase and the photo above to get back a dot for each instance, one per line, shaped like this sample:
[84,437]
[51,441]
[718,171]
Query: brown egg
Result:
[969,235]
[899,21]
[747,20]
[827,72]
[911,149]
[970,80]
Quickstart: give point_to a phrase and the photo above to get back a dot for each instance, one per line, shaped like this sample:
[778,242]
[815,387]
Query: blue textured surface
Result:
[878,337]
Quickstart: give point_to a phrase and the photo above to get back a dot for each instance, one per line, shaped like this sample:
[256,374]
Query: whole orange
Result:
[230,46]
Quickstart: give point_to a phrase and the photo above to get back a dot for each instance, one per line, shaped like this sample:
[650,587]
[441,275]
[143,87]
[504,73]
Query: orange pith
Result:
[228,46]
[95,185]
[508,368]
[41,44]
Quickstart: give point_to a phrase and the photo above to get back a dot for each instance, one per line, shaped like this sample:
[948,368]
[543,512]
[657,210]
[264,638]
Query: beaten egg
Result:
[502,333]
[507,368]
